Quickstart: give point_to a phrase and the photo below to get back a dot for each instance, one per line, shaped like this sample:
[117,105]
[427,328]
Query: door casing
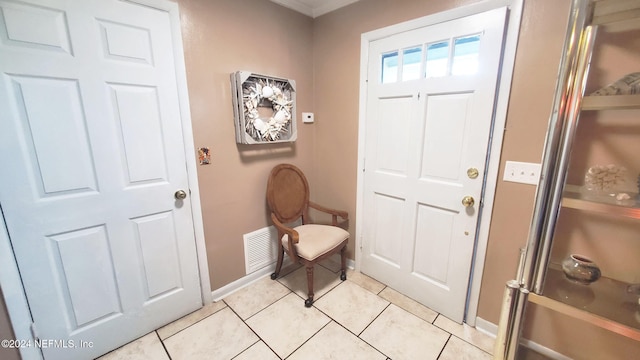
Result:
[493,164]
[10,282]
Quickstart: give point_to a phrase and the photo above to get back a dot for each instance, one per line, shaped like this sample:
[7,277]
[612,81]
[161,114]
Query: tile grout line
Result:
[253,331]
[264,308]
[310,337]
[452,334]
[363,340]
[162,343]
[243,351]
[470,343]
[190,325]
[366,327]
[374,319]
[444,346]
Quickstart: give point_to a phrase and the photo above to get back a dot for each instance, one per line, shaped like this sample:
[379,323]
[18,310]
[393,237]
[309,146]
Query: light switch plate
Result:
[522,172]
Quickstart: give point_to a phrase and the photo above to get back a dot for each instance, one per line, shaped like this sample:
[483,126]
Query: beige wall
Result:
[221,37]
[539,48]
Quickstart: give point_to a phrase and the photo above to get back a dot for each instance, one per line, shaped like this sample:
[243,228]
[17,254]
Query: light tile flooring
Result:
[356,319]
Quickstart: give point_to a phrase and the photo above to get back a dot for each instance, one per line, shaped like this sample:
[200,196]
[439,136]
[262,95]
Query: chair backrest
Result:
[287,193]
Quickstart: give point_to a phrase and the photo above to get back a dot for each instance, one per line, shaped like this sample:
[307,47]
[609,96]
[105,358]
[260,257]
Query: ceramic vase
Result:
[580,269]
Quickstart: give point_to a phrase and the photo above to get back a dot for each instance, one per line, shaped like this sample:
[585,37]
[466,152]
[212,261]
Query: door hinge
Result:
[34,332]
[418,95]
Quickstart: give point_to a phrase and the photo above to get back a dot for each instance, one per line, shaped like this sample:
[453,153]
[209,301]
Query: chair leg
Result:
[309,301]
[343,260]
[278,265]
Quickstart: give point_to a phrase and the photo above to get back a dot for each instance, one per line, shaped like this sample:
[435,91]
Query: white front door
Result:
[430,101]
[91,152]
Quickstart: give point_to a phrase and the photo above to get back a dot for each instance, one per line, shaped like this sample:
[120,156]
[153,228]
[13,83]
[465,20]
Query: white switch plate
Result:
[307,117]
[522,172]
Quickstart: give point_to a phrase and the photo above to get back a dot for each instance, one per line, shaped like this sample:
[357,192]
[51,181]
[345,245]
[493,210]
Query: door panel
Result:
[158,246]
[431,257]
[391,155]
[137,115]
[123,42]
[51,33]
[59,169]
[388,215]
[445,120]
[428,121]
[91,130]
[89,289]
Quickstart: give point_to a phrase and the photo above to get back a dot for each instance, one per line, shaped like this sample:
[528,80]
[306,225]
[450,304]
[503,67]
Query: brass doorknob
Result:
[180,195]
[468,201]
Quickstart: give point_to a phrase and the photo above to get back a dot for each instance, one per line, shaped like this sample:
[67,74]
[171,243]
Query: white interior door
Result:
[91,152]
[430,100]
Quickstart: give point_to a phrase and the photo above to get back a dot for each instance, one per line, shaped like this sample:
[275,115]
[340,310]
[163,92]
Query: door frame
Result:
[497,128]
[10,281]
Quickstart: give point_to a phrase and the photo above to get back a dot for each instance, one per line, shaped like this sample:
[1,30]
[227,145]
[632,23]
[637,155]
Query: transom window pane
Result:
[411,61]
[465,55]
[390,67]
[437,59]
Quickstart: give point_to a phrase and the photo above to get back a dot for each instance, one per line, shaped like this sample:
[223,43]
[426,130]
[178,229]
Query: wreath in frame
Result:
[264,107]
[275,94]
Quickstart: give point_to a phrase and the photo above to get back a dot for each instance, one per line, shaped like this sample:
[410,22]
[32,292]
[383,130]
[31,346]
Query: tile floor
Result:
[356,319]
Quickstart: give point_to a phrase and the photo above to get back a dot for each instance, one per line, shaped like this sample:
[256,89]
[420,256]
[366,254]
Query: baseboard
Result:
[543,350]
[486,327]
[491,329]
[249,279]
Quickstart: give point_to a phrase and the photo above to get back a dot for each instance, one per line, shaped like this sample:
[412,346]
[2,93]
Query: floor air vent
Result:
[260,248]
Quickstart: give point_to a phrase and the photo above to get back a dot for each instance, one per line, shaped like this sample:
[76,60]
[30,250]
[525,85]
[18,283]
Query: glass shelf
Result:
[611,102]
[604,303]
[574,199]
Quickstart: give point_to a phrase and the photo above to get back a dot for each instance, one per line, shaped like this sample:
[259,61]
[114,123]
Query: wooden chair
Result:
[288,199]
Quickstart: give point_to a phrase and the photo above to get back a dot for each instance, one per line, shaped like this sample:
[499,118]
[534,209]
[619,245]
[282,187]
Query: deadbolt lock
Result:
[472,173]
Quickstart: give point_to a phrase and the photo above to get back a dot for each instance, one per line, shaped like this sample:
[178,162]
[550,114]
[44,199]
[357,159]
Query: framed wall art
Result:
[264,108]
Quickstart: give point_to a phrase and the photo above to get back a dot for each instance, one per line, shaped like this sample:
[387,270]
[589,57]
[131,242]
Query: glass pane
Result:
[465,55]
[411,61]
[437,59]
[390,67]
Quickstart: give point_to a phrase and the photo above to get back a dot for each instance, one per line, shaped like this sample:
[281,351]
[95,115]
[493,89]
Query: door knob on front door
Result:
[468,201]
[180,195]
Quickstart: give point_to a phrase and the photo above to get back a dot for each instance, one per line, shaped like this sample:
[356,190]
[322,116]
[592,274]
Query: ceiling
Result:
[314,8]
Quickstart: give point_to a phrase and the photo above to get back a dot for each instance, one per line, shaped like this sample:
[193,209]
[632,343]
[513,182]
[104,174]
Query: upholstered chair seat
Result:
[316,240]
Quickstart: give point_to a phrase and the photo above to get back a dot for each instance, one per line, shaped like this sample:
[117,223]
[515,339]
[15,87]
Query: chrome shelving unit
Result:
[605,303]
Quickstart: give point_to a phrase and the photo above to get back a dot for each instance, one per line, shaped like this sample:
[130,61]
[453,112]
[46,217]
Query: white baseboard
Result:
[551,354]
[249,279]
[491,329]
[486,327]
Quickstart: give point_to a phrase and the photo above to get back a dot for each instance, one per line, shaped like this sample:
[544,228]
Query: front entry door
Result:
[430,100]
[91,152]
